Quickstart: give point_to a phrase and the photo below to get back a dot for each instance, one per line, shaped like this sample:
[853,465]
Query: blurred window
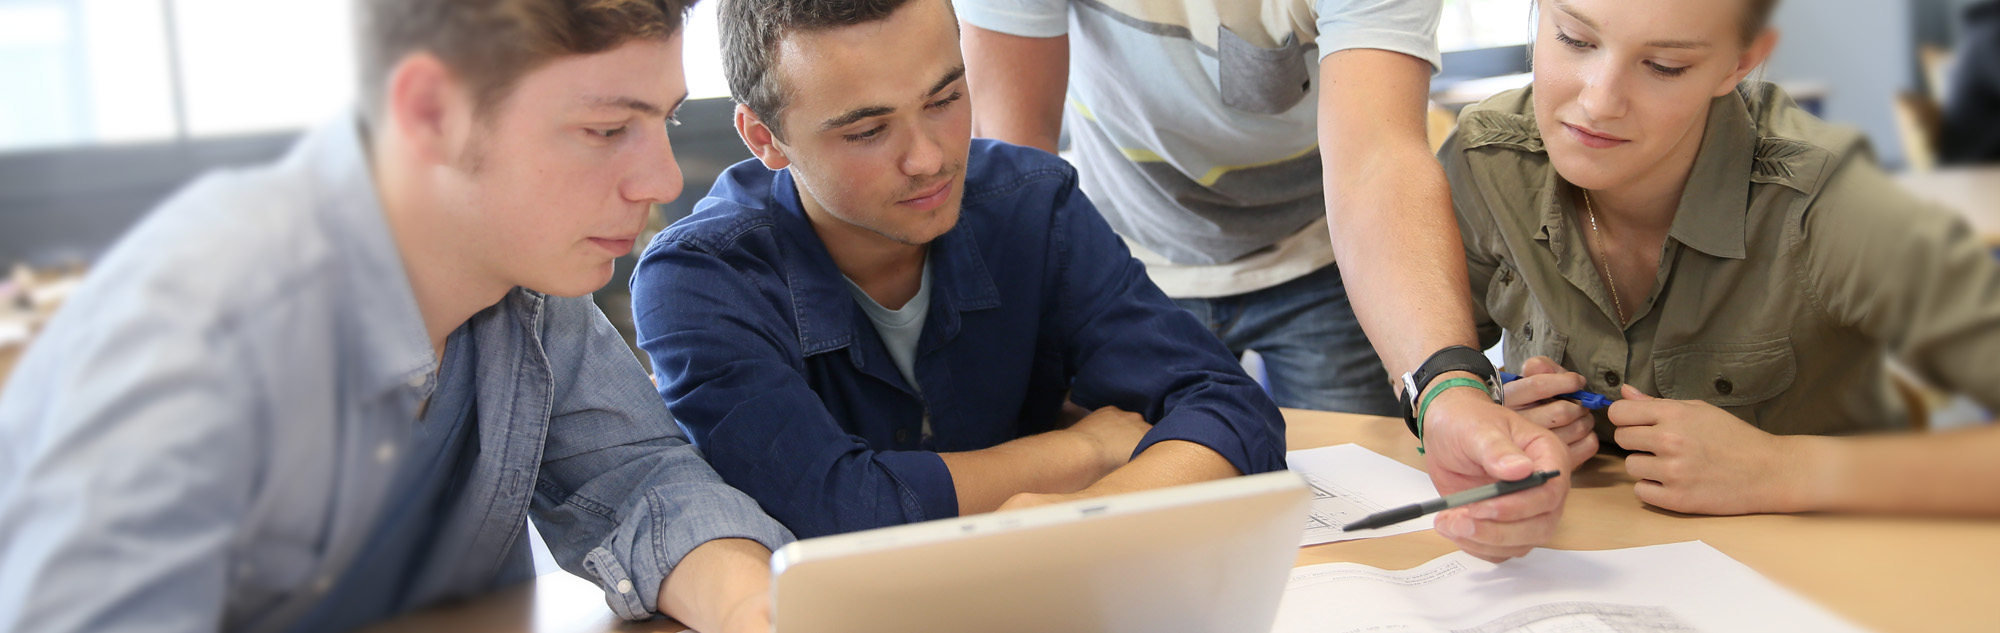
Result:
[93,72]
[1476,24]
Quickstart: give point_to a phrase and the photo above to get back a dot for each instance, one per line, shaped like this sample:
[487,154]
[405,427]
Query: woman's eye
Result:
[1570,41]
[1668,71]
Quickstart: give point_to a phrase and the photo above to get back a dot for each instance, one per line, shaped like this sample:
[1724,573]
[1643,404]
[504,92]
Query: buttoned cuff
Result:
[669,530]
[1250,455]
[927,490]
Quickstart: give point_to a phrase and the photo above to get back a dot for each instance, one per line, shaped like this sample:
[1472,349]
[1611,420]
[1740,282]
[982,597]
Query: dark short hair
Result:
[491,44]
[753,29]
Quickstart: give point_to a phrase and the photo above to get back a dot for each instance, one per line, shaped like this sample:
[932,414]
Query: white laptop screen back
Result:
[1206,557]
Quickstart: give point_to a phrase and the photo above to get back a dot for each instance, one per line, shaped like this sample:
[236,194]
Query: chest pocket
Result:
[1261,80]
[1726,374]
[1530,332]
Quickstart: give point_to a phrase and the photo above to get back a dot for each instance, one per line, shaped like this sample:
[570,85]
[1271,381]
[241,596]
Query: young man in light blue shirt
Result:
[320,393]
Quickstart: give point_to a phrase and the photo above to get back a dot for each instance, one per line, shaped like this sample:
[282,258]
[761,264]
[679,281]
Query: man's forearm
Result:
[722,585]
[1169,463]
[1389,208]
[1056,462]
[1404,270]
[1017,85]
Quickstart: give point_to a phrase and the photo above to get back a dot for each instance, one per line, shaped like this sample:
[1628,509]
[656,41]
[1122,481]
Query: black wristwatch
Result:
[1450,359]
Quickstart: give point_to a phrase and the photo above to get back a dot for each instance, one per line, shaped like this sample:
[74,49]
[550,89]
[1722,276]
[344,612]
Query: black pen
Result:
[1398,515]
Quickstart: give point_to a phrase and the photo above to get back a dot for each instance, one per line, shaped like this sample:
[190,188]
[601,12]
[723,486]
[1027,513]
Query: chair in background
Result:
[1936,62]
[1919,122]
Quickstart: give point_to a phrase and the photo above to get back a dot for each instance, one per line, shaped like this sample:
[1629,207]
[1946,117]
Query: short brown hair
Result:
[752,30]
[491,44]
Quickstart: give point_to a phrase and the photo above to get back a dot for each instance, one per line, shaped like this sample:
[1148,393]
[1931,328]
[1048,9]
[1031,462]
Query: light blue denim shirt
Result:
[207,435]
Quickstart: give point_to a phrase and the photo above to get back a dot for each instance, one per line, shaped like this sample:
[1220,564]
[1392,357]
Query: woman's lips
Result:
[1593,139]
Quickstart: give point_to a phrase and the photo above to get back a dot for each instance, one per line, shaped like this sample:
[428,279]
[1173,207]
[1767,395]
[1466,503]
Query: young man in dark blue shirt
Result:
[880,321]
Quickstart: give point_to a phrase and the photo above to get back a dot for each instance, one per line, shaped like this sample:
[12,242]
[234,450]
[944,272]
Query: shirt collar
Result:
[826,312]
[1715,204]
[388,338]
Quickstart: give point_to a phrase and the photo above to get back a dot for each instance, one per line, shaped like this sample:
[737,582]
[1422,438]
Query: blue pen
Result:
[1587,399]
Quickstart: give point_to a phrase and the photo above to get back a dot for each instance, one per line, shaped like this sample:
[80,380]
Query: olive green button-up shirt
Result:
[1793,269]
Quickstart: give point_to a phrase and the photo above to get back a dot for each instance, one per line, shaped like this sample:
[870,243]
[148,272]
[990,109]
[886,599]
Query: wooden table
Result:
[1973,191]
[1884,573]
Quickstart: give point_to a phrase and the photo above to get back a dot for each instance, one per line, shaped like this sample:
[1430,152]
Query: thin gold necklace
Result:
[1603,256]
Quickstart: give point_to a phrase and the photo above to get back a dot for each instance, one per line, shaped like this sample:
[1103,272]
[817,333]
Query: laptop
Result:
[1212,556]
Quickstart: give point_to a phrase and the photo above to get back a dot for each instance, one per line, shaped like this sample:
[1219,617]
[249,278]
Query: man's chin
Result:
[944,222]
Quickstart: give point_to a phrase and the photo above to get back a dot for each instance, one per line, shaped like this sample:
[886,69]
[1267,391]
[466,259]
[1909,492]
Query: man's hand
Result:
[1696,458]
[1115,432]
[1533,396]
[1469,441]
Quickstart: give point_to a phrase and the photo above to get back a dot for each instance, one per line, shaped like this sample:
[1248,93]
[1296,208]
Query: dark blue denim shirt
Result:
[778,376]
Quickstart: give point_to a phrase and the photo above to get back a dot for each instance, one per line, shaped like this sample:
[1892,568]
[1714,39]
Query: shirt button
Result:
[417,381]
[625,586]
[1611,378]
[1723,386]
[322,584]
[385,452]
[902,436]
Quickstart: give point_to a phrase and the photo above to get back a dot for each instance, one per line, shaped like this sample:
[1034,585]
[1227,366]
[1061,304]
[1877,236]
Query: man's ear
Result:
[761,141]
[1753,56]
[428,108]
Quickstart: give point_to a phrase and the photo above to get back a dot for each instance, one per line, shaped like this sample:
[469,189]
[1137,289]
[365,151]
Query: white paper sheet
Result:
[1675,588]
[1350,482]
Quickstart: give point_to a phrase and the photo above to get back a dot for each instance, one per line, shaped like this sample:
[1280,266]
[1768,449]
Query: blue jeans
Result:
[1314,352]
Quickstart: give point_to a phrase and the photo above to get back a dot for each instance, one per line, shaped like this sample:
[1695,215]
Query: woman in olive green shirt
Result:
[1657,225]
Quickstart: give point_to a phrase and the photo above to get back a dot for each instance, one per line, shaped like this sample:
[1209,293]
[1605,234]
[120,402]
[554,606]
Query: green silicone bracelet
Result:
[1455,382]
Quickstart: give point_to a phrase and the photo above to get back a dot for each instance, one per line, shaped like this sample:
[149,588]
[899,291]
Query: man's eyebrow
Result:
[857,114]
[643,107]
[849,117]
[954,75]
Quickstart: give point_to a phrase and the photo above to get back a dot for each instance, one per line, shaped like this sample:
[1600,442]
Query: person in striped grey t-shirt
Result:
[1241,148]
